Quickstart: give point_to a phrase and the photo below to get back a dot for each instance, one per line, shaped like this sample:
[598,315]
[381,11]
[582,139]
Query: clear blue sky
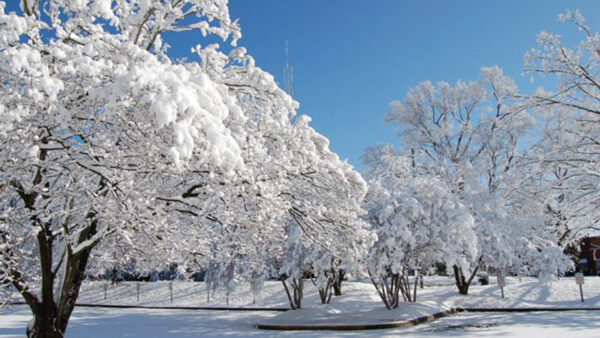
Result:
[351,58]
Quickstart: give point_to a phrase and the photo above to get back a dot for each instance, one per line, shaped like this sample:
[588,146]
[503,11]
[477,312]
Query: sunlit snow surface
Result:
[150,323]
[96,322]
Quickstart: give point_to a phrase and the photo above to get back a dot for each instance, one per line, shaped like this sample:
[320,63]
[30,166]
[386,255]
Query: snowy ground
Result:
[360,303]
[529,292]
[149,323]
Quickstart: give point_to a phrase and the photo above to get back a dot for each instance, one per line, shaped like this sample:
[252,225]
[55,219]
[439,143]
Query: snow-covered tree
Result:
[535,245]
[548,182]
[568,154]
[468,136]
[94,116]
[325,214]
[292,204]
[419,223]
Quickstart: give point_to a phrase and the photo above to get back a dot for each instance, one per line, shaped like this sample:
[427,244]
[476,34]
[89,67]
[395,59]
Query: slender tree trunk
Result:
[405,289]
[294,292]
[325,294]
[71,288]
[298,285]
[417,277]
[389,292]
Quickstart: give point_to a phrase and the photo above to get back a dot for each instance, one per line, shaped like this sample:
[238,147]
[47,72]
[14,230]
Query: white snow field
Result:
[359,304]
[88,322]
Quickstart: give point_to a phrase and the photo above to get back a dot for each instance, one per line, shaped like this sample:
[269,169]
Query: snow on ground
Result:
[360,304]
[526,325]
[527,293]
[88,322]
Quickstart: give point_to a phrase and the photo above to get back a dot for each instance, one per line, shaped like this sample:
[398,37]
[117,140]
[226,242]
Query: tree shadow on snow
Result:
[495,324]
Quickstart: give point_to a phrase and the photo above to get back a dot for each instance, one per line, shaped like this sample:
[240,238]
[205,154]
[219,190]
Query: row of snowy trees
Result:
[114,153]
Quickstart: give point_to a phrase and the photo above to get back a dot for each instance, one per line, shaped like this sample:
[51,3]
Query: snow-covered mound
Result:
[338,315]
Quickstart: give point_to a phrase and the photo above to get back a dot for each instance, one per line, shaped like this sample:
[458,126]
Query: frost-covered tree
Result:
[325,223]
[468,136]
[533,239]
[548,182]
[321,198]
[94,116]
[568,155]
[292,204]
[419,223]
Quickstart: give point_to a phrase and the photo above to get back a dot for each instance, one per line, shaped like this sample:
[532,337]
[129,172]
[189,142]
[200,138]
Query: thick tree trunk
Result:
[43,326]
[44,322]
[461,283]
[70,290]
[337,288]
[337,282]
[51,318]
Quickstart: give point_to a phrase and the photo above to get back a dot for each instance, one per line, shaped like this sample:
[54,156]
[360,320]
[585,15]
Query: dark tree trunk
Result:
[297,291]
[462,283]
[325,294]
[337,282]
[50,318]
[337,288]
[388,289]
[70,289]
[43,325]
[334,285]
[404,285]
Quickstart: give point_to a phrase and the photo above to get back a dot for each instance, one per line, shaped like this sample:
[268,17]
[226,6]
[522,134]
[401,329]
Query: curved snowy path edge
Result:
[390,325]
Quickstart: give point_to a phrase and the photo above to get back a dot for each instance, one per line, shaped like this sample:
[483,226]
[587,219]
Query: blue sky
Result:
[352,58]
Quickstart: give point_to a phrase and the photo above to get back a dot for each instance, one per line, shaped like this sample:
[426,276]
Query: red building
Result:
[589,256]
